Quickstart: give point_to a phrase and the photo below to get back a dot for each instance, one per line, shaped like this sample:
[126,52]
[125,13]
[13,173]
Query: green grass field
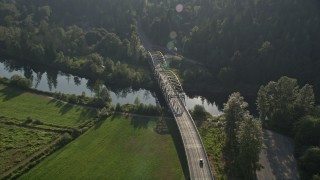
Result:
[17,143]
[20,104]
[117,148]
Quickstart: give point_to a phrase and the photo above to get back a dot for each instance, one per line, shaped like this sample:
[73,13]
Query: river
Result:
[57,81]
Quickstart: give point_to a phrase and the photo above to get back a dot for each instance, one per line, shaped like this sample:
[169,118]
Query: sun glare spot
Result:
[179,8]
[173,34]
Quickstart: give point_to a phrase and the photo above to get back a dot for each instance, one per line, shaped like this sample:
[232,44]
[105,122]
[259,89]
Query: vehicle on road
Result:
[201,162]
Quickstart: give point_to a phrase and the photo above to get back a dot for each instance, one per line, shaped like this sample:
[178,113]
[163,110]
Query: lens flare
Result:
[170,45]
[179,8]
[173,34]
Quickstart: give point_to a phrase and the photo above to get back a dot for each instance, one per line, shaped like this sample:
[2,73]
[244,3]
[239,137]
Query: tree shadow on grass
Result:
[113,117]
[8,93]
[138,122]
[101,121]
[86,114]
[57,103]
[65,109]
[52,101]
[161,126]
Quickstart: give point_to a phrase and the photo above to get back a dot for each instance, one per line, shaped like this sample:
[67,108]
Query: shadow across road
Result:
[277,157]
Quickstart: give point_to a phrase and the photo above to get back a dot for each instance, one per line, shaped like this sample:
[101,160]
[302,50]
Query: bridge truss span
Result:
[175,97]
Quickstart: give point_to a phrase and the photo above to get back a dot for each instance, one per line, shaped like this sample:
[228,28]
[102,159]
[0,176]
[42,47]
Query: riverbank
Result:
[21,104]
[48,81]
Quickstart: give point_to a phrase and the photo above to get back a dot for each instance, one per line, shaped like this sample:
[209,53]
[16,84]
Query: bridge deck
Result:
[193,145]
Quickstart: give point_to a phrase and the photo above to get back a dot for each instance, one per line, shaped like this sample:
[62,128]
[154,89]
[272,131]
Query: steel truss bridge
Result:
[175,97]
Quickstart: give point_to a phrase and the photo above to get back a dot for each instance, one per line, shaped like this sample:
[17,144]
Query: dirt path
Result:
[277,158]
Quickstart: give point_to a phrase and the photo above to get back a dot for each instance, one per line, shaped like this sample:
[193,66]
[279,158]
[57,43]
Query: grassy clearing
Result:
[17,143]
[213,137]
[117,148]
[20,104]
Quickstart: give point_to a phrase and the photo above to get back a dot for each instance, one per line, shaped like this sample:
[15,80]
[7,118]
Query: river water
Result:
[56,81]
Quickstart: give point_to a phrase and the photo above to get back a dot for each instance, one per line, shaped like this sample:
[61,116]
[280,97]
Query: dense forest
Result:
[93,39]
[226,45]
[240,42]
[237,44]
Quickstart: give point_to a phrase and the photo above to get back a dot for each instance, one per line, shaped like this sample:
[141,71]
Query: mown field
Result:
[17,143]
[30,123]
[20,104]
[117,148]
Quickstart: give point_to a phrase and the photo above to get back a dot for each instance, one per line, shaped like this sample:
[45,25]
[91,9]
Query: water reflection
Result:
[56,81]
[211,107]
[213,102]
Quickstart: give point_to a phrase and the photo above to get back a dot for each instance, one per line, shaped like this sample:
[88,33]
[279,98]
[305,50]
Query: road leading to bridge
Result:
[175,98]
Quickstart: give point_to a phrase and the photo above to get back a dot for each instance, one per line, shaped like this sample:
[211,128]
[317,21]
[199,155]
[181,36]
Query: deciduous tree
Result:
[284,103]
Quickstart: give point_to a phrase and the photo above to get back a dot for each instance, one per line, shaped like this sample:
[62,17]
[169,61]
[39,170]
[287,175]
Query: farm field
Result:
[118,148]
[17,143]
[20,104]
[31,125]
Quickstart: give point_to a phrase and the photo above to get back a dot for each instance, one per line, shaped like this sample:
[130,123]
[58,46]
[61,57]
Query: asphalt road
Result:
[277,158]
[191,139]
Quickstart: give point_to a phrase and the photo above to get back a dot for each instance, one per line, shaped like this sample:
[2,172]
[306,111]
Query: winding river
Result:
[57,81]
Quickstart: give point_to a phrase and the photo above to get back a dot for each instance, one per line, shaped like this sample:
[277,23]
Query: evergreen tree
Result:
[234,111]
[243,138]
[249,139]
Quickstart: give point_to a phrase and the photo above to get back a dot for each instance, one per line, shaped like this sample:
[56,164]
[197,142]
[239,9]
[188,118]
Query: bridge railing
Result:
[156,69]
[198,134]
[168,102]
